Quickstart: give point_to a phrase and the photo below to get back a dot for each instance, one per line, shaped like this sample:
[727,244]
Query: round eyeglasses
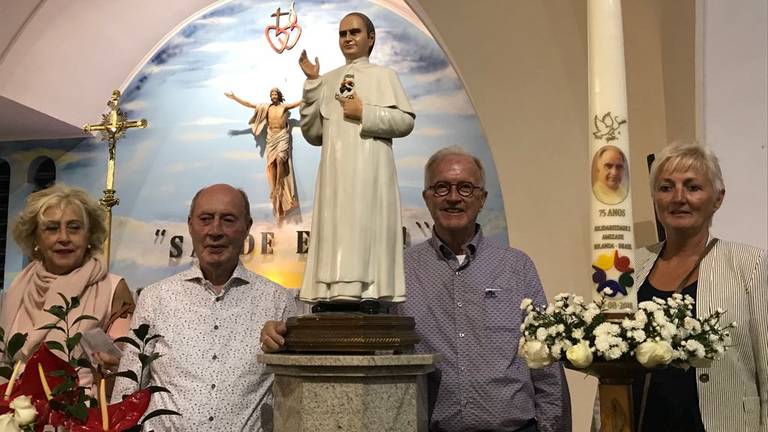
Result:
[465,189]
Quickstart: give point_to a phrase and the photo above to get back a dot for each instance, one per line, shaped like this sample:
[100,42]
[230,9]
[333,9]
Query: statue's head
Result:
[356,36]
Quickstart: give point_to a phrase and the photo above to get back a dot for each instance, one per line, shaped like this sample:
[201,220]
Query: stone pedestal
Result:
[349,393]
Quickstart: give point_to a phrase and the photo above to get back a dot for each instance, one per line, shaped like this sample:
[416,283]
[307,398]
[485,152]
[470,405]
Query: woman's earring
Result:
[36,248]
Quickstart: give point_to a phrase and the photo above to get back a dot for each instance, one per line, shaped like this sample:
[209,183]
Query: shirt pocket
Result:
[501,317]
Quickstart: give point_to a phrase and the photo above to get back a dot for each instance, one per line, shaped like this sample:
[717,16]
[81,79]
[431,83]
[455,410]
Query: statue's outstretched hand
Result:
[312,71]
[229,94]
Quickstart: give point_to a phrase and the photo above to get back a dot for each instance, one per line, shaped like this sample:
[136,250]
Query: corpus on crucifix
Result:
[112,127]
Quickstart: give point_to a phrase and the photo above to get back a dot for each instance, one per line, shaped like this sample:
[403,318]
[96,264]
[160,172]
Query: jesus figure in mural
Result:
[278,149]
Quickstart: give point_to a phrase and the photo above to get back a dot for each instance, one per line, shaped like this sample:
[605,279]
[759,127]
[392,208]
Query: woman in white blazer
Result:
[731,395]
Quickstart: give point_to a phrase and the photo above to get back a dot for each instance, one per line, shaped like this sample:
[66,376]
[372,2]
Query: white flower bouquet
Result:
[659,333]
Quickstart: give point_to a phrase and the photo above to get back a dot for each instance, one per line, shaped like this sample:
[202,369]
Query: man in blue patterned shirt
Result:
[464,290]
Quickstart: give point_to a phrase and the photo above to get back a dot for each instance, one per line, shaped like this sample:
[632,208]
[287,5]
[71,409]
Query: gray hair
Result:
[246,203]
[681,157]
[452,151]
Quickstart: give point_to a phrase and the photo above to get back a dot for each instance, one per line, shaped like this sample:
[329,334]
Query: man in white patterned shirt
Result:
[210,316]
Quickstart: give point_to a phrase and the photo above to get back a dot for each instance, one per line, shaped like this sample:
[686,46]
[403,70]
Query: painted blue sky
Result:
[199,137]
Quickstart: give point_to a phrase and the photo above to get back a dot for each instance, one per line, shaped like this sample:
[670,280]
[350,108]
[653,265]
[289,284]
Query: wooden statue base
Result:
[615,390]
[350,332]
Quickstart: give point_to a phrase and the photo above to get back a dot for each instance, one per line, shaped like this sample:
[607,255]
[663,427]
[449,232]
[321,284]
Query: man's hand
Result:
[312,71]
[352,106]
[272,338]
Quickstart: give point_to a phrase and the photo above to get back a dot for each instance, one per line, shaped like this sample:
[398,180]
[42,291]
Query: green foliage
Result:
[69,397]
[15,344]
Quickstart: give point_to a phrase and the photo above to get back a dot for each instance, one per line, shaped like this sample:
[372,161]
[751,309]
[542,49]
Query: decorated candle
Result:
[612,236]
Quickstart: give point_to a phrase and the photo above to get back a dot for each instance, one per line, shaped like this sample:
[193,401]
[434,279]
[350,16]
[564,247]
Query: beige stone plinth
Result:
[349,393]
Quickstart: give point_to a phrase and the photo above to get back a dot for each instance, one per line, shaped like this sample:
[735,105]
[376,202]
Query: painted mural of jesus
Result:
[274,115]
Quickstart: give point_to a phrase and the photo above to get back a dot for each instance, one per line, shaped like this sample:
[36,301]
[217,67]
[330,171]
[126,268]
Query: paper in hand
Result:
[95,340]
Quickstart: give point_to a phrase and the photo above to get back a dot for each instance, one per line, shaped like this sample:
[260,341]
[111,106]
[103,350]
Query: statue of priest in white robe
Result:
[354,112]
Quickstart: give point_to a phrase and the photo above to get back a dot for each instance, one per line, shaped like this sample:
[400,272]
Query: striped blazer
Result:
[733,393]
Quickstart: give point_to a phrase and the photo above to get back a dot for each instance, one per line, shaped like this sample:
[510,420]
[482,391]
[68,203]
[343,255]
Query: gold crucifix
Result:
[112,127]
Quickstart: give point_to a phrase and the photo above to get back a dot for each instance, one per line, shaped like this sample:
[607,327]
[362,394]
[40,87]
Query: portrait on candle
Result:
[610,173]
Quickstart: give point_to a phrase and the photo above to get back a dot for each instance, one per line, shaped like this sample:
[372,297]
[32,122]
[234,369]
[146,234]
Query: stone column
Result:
[349,393]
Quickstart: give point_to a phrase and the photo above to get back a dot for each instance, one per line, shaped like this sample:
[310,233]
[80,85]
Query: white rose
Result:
[7,424]
[579,355]
[24,412]
[536,354]
[650,353]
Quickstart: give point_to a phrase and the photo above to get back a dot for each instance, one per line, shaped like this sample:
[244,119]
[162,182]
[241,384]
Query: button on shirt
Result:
[470,314]
[208,350]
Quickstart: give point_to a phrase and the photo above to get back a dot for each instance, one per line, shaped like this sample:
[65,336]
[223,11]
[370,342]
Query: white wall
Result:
[733,45]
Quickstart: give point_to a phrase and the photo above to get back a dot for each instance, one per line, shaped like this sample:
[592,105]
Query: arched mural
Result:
[197,136]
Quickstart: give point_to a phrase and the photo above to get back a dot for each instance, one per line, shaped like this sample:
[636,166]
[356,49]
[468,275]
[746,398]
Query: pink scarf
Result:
[35,290]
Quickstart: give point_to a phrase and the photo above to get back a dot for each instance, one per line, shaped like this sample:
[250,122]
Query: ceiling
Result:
[60,60]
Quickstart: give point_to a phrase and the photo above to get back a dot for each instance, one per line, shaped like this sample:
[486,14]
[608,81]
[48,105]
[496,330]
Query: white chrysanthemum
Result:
[668,331]
[556,350]
[613,353]
[541,334]
[641,317]
[649,306]
[692,324]
[606,328]
[536,354]
[589,315]
[696,348]
[526,304]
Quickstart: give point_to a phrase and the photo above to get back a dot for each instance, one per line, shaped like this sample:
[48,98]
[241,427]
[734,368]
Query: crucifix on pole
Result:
[112,127]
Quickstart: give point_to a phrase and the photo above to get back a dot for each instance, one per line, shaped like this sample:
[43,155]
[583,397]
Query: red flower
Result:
[122,415]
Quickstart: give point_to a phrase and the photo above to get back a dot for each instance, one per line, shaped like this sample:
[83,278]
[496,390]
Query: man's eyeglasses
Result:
[465,189]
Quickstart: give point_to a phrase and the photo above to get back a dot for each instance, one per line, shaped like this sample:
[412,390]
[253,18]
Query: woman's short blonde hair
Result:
[25,227]
[680,157]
